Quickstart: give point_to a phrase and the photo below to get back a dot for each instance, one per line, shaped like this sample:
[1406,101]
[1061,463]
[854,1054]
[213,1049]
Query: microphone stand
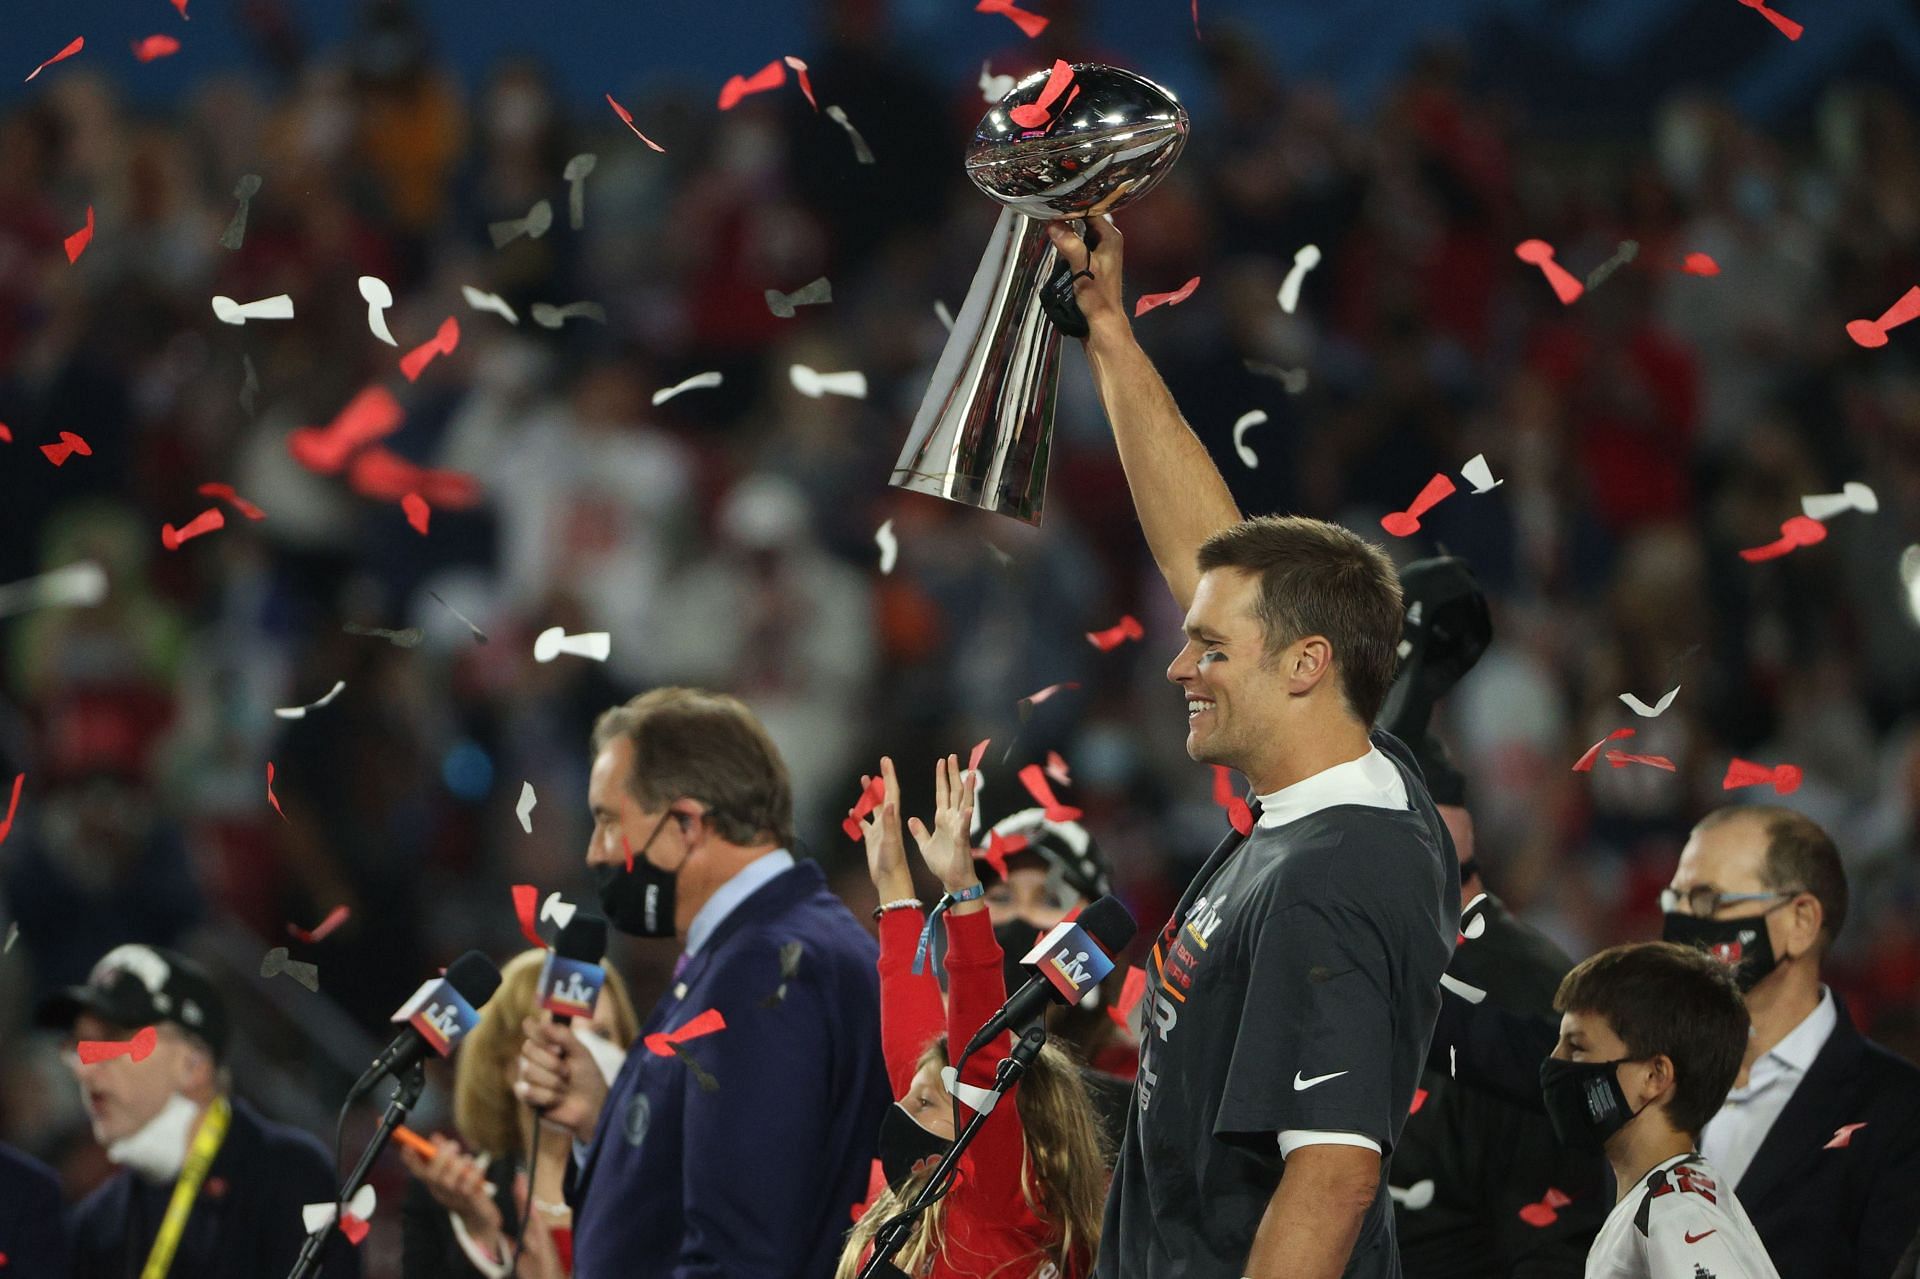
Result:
[892,1237]
[411,1083]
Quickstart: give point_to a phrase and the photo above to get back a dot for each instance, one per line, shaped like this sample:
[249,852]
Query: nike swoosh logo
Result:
[1692,1238]
[1301,1085]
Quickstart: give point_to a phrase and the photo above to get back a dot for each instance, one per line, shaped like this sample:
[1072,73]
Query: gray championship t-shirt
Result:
[1295,989]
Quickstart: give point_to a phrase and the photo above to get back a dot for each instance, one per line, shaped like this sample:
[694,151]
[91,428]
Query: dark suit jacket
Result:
[428,1247]
[1823,1211]
[245,1225]
[33,1232]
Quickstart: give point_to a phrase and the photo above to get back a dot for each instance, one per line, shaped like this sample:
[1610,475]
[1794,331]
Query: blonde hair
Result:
[485,1110]
[1063,1177]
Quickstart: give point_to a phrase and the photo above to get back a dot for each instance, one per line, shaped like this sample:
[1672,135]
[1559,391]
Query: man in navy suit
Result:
[740,1151]
[33,1231]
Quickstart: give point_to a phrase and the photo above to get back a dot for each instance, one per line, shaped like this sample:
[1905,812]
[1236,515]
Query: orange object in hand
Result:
[415,1142]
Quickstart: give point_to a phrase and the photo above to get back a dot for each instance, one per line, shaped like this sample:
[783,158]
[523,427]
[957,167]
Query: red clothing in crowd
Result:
[989,1228]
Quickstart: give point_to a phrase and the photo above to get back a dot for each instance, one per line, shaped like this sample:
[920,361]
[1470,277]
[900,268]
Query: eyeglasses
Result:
[1704,902]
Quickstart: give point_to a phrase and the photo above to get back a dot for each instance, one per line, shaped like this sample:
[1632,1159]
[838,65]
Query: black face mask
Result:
[639,902]
[1016,938]
[906,1148]
[1584,1102]
[1742,944]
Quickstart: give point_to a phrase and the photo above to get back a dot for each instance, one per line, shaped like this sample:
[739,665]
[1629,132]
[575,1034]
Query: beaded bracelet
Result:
[901,903]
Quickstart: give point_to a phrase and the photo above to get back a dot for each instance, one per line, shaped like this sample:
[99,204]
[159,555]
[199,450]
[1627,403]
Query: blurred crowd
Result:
[726,537]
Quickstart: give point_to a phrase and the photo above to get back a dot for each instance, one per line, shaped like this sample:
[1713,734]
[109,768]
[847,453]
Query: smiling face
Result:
[1236,693]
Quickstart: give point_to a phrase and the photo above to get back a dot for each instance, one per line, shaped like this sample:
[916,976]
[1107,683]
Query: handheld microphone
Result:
[571,978]
[1070,960]
[437,1017]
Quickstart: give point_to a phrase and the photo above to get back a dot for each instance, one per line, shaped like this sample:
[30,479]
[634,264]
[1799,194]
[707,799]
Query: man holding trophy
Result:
[1291,996]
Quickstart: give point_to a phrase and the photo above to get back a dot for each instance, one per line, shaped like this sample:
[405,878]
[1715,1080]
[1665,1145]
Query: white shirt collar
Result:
[1804,1042]
[746,881]
[1372,780]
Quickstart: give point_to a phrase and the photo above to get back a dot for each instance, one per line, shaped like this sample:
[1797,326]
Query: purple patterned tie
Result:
[680,964]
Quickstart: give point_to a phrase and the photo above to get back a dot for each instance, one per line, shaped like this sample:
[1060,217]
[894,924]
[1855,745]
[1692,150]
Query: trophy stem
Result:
[985,429]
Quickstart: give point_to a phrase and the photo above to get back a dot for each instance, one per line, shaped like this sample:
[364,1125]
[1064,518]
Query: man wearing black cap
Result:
[208,1188]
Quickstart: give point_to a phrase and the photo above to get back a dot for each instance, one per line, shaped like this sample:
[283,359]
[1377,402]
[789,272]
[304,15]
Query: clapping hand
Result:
[886,850]
[947,849]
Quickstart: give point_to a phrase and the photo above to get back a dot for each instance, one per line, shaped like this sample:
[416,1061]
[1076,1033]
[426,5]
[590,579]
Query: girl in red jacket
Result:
[1028,1198]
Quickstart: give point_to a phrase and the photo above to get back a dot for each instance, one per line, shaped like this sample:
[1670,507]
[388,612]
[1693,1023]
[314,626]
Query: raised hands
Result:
[947,849]
[886,850]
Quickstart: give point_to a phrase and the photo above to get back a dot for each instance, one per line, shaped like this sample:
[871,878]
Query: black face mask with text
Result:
[639,902]
[1742,944]
[907,1149]
[1584,1102]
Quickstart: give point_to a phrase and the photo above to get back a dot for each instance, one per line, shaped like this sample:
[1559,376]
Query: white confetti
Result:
[558,909]
[1480,475]
[698,381]
[1472,994]
[1910,578]
[78,585]
[379,297]
[994,87]
[493,302]
[943,315]
[814,385]
[889,547]
[1415,1197]
[319,1216]
[300,712]
[1453,1062]
[278,307]
[1247,420]
[862,153]
[575,174]
[552,642]
[1853,496]
[1645,711]
[524,809]
[1304,261]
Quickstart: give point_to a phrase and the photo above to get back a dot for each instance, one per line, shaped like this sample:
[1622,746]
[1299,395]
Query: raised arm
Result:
[1177,490]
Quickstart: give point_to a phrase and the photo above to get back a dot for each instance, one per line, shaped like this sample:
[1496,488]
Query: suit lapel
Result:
[1817,1108]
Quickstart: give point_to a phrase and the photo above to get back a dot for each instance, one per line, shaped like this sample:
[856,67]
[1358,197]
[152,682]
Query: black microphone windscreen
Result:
[1109,923]
[474,976]
[583,939]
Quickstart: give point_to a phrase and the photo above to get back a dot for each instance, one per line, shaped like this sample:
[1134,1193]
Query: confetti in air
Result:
[78,43]
[873,790]
[13,806]
[1477,473]
[77,242]
[378,298]
[552,642]
[371,415]
[205,522]
[322,930]
[1248,420]
[1036,113]
[1873,333]
[139,1047]
[800,76]
[1539,253]
[1585,763]
[492,302]
[153,48]
[1305,259]
[1149,301]
[82,584]
[994,87]
[552,317]
[1127,628]
[353,1222]
[279,960]
[1406,523]
[575,176]
[1034,778]
[1781,22]
[526,904]
[790,955]
[698,382]
[1295,380]
[1645,711]
[524,809]
[68,445]
[771,76]
[862,153]
[1030,23]
[1853,496]
[419,514]
[1795,533]
[1620,759]
[271,797]
[411,637]
[445,340]
[1784,778]
[1699,264]
[1057,769]
[1627,252]
[300,712]
[538,222]
[479,635]
[1135,986]
[1226,796]
[626,118]
[889,547]
[1843,1136]
[277,307]
[1546,1211]
[783,304]
[244,190]
[227,493]
[813,385]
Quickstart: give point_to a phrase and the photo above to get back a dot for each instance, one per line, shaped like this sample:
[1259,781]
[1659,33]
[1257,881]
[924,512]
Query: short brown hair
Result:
[1801,858]
[1320,579]
[709,747]
[485,1112]
[1665,999]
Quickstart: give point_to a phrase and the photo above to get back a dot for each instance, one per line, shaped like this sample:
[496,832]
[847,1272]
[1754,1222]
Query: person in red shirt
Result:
[1028,1196]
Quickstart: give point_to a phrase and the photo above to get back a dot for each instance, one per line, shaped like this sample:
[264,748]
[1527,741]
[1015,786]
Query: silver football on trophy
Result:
[1050,150]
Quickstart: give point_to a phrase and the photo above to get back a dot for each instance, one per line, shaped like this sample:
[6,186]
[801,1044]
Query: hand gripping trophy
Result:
[1049,152]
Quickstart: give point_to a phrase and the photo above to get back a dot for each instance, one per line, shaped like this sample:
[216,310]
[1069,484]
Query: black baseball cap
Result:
[135,986]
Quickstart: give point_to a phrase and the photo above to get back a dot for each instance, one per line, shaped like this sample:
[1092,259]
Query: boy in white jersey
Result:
[1651,1037]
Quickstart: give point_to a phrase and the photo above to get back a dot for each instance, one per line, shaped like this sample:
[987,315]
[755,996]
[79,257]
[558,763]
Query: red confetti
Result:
[1547,1211]
[322,930]
[1148,301]
[1872,333]
[869,800]
[1225,795]
[1784,778]
[1406,523]
[353,1228]
[999,848]
[661,1043]
[629,851]
[771,76]
[626,118]
[155,47]
[226,493]
[385,476]
[1035,113]
[1620,759]
[1782,23]
[1419,1100]
[1540,254]
[1057,769]
[800,74]
[526,901]
[1127,628]
[77,242]
[442,342]
[1030,23]
[1699,264]
[13,806]
[6,433]
[978,753]
[140,1047]
[1585,763]
[418,512]
[1034,699]
[69,445]
[1843,1136]
[1795,533]
[271,797]
[79,43]
[1130,994]
[181,5]
[371,415]
[205,522]
[1035,781]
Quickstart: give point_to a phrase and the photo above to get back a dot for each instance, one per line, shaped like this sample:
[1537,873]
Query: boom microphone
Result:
[1070,960]
[437,1017]
[571,978]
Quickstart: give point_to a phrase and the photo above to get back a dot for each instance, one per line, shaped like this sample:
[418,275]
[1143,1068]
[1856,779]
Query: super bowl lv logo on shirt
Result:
[1176,962]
